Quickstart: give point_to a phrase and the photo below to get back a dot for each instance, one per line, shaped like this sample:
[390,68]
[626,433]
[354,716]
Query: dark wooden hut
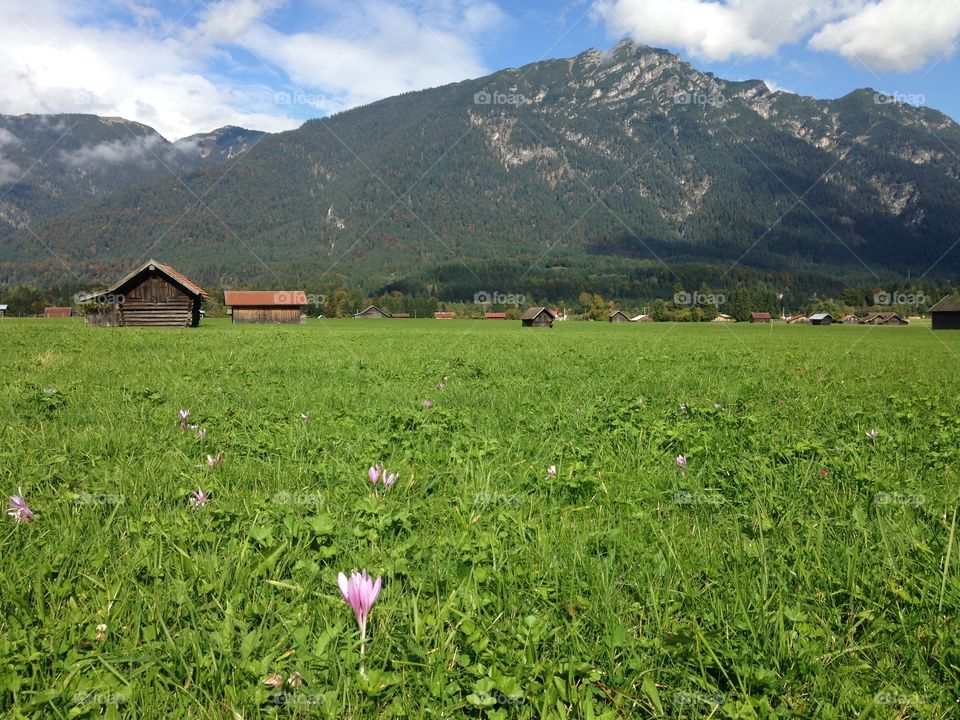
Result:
[821,319]
[946,313]
[538,317]
[885,318]
[760,317]
[618,316]
[153,295]
[373,313]
[266,306]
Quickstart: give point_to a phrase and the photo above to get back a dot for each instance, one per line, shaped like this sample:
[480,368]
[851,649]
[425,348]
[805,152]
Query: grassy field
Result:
[797,568]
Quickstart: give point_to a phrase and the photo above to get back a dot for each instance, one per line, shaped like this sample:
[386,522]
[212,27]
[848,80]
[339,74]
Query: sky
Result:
[188,66]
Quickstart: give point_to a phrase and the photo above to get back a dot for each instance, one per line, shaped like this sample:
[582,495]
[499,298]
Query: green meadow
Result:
[795,569]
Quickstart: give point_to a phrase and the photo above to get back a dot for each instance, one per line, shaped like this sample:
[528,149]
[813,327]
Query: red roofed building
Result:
[57,312]
[266,306]
[444,315]
[495,316]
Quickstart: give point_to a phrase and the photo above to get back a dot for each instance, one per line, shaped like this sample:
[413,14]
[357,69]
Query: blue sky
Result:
[184,66]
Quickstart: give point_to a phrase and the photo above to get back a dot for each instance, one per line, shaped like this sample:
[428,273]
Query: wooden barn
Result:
[266,306]
[3,310]
[444,315]
[373,313]
[401,316]
[618,316]
[153,295]
[642,317]
[885,318]
[495,316]
[798,320]
[850,320]
[760,317]
[57,312]
[822,319]
[722,318]
[946,313]
[538,317]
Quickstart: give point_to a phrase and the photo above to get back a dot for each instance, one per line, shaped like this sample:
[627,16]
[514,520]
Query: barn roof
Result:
[373,308]
[178,278]
[761,316]
[535,312]
[619,312]
[261,298]
[495,316]
[821,316]
[951,303]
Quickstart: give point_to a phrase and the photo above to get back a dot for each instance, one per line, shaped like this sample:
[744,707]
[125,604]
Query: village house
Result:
[538,317]
[885,318]
[946,313]
[444,315]
[821,318]
[266,306]
[57,312]
[618,316]
[153,295]
[760,317]
[495,316]
[373,313]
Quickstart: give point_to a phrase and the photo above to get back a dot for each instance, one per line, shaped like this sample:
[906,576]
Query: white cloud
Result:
[140,150]
[7,137]
[224,64]
[9,172]
[894,34]
[884,34]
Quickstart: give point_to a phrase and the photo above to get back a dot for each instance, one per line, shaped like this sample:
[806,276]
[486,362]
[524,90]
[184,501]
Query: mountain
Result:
[63,161]
[626,169]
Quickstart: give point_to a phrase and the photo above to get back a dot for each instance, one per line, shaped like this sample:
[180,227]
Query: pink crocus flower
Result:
[872,434]
[199,497]
[824,472]
[427,404]
[681,463]
[360,593]
[378,473]
[201,433]
[551,472]
[19,510]
[274,680]
[183,414]
[304,418]
[441,386]
[215,461]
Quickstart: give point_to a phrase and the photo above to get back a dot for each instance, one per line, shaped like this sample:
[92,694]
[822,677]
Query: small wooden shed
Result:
[850,320]
[444,315]
[57,312]
[885,318]
[538,317]
[3,310]
[946,313]
[821,318]
[495,316]
[153,295]
[266,306]
[618,316]
[760,317]
[373,313]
